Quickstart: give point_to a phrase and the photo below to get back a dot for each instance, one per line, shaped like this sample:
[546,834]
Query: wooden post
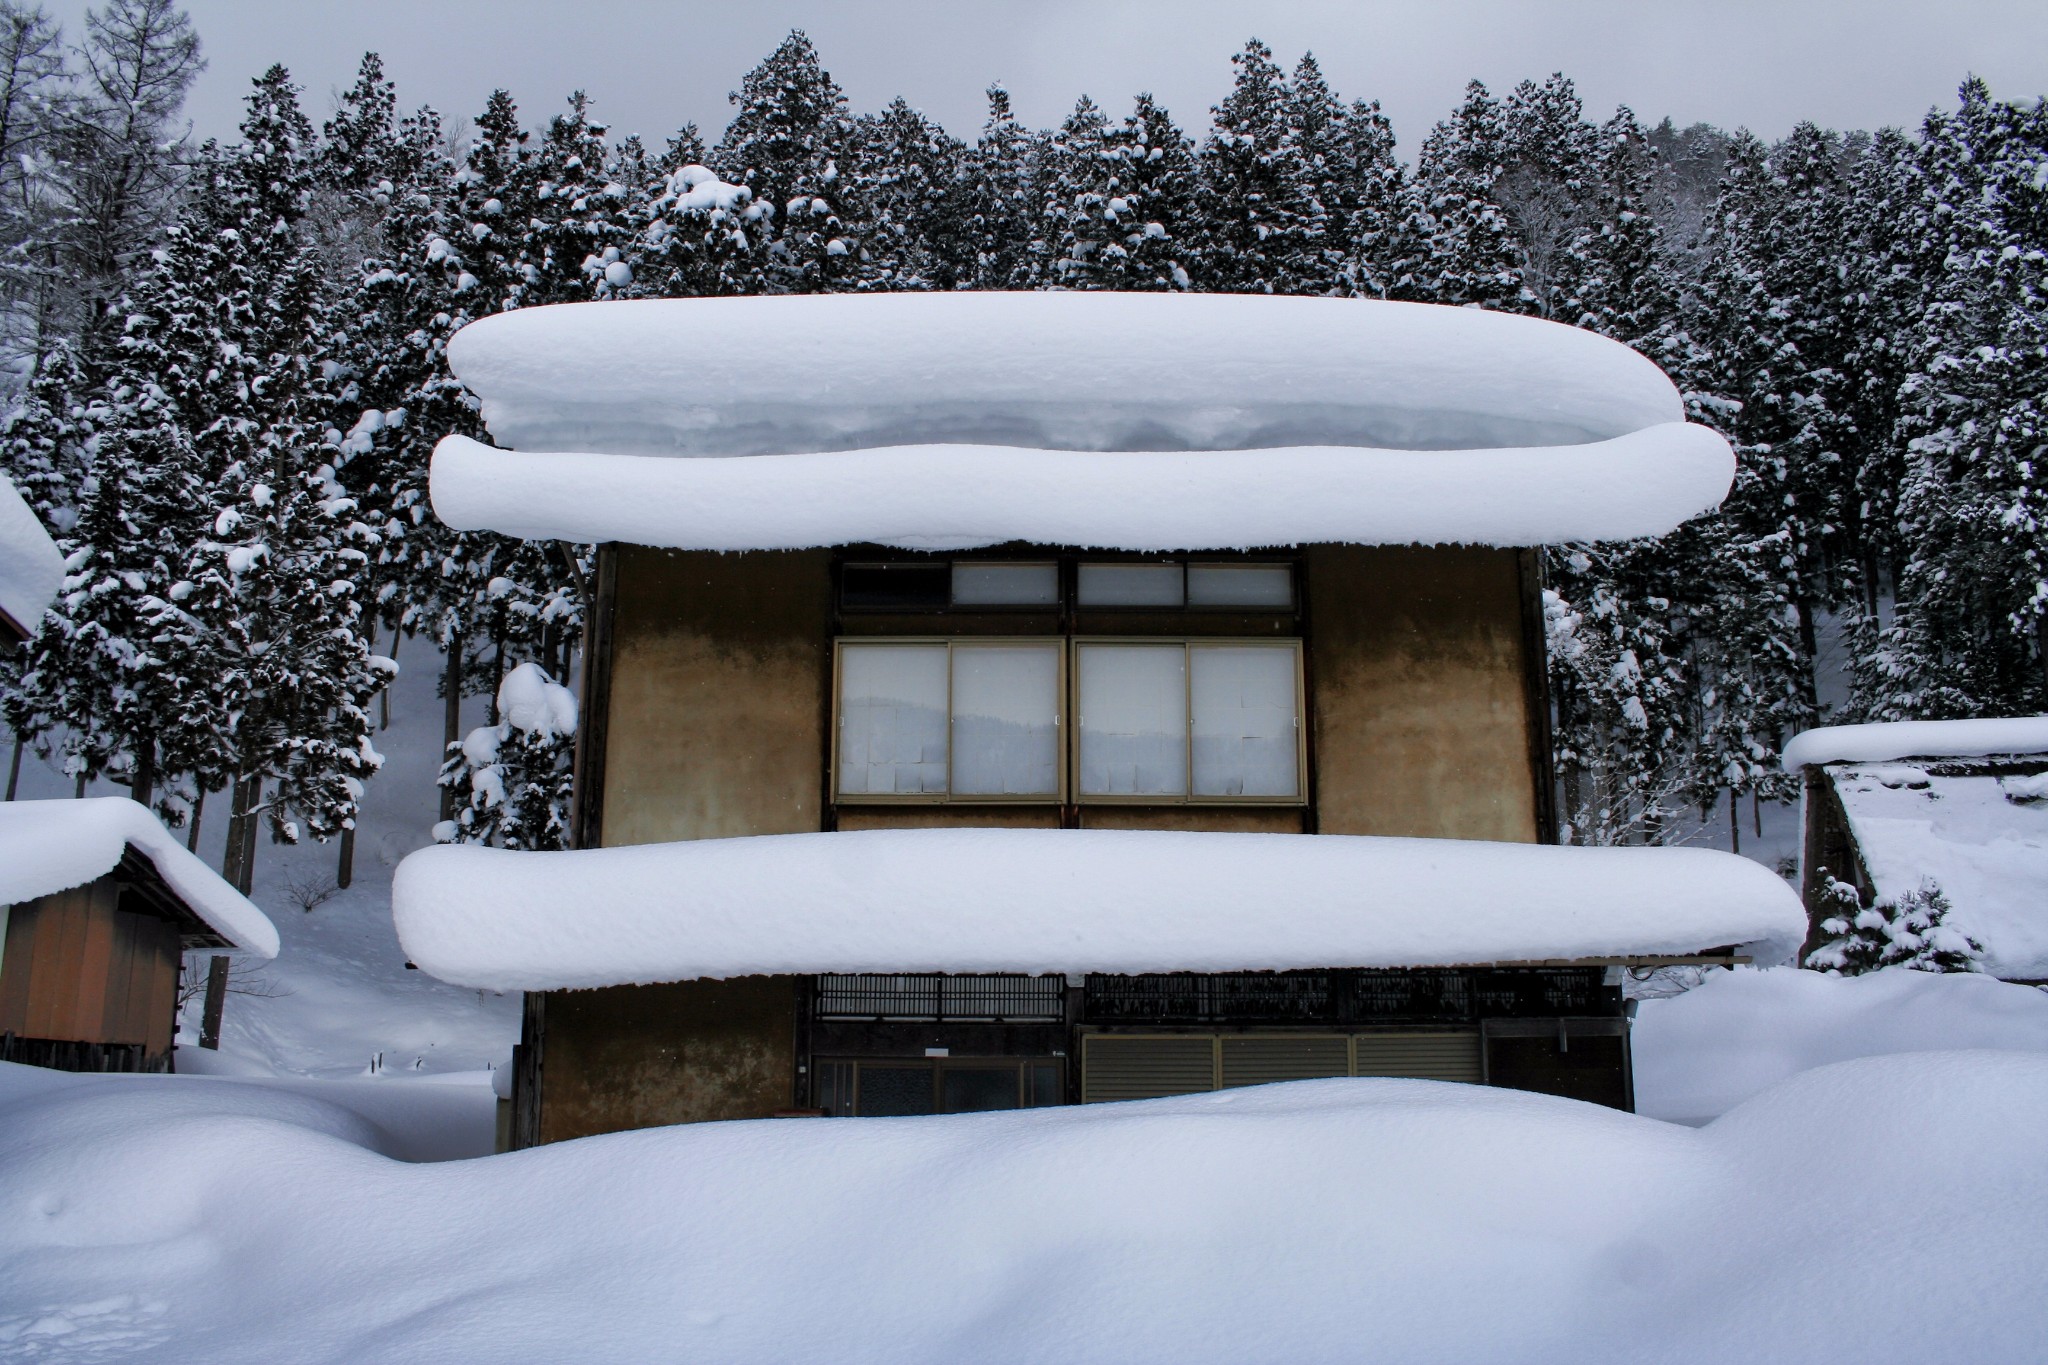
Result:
[346,873]
[216,1000]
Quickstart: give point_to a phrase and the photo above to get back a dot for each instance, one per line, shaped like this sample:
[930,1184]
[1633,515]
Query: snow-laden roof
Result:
[50,846]
[1018,900]
[1983,839]
[959,497]
[1140,421]
[1882,742]
[31,570]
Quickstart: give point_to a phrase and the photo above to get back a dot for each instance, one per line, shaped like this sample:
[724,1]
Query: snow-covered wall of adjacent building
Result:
[31,569]
[51,846]
[1052,370]
[1887,740]
[1982,839]
[1134,421]
[1020,900]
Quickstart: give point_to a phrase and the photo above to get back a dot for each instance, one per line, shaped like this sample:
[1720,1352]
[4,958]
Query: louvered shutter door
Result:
[1256,1058]
[1119,1067]
[1425,1056]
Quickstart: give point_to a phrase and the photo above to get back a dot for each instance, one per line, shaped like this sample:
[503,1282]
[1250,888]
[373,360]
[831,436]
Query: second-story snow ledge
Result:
[1039,901]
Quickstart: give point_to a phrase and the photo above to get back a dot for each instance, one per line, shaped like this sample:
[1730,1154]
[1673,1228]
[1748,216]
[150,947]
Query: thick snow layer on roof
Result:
[31,570]
[1129,421]
[960,496]
[1311,1223]
[1056,370]
[1017,900]
[50,846]
[1918,739]
[1982,839]
[1742,1031]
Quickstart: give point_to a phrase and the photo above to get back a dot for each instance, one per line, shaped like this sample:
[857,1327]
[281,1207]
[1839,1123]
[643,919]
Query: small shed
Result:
[98,905]
[1959,805]
[31,569]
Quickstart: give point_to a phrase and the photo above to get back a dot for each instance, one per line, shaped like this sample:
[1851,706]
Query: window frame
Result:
[1062,702]
[1067,566]
[1067,721]
[1189,644]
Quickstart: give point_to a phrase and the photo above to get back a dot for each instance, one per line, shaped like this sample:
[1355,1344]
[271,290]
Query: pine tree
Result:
[703,238]
[1003,198]
[792,143]
[33,104]
[580,238]
[1264,230]
[513,780]
[908,174]
[1465,247]
[1547,150]
[1912,932]
[1157,181]
[1077,218]
[1380,249]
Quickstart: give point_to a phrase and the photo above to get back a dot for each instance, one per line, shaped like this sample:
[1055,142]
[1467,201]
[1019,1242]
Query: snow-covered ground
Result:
[1880,1210]
[338,1001]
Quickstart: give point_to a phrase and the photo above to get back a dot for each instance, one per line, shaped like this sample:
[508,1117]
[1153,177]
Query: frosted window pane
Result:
[1130,585]
[1134,720]
[892,720]
[1006,701]
[1244,722]
[1240,585]
[1006,585]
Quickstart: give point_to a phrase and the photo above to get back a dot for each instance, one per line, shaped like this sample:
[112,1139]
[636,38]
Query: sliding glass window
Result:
[1189,720]
[949,719]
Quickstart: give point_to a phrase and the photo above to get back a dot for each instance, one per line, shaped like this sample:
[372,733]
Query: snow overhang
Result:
[1073,901]
[51,846]
[31,569]
[1885,741]
[1129,421]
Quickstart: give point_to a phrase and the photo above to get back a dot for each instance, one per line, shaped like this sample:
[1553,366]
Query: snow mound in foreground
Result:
[1318,1221]
[1740,1032]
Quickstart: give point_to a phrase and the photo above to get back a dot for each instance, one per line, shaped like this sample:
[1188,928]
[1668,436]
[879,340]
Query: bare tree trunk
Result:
[216,1002]
[238,861]
[14,769]
[1756,811]
[142,779]
[346,873]
[1734,824]
[384,697]
[451,717]
[198,809]
[78,789]
[497,665]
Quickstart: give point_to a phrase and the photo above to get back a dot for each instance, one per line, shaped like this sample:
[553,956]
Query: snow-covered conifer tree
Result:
[1156,178]
[792,142]
[513,781]
[1912,932]
[909,175]
[1264,231]
[1466,247]
[1003,198]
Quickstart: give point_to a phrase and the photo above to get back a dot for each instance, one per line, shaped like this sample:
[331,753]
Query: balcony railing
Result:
[931,997]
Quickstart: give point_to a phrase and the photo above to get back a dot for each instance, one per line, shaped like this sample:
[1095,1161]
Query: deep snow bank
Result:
[1329,1220]
[1740,1032]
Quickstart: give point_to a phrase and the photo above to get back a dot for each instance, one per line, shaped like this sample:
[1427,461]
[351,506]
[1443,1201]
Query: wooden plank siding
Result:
[80,968]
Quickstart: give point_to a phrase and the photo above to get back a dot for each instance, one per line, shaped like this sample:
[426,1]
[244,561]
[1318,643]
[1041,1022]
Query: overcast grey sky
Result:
[652,64]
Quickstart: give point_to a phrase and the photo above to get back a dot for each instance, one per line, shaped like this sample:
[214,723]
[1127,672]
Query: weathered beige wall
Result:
[719,669]
[1419,694]
[641,1056]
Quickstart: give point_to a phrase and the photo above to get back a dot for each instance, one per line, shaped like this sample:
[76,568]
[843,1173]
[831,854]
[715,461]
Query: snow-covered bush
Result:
[513,780]
[1912,932]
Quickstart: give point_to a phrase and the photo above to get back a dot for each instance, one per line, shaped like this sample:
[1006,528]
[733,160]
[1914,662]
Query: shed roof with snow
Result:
[1961,804]
[31,569]
[52,846]
[1147,422]
[1075,901]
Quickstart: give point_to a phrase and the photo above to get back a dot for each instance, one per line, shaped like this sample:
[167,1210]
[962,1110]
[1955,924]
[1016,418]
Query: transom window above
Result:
[1114,585]
[987,720]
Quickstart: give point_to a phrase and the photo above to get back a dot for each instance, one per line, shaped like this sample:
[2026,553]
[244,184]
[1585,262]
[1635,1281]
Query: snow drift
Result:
[1025,900]
[1319,1221]
[1887,740]
[50,846]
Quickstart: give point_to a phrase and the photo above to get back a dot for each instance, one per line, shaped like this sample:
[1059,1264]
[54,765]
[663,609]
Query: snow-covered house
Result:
[997,700]
[98,905]
[31,569]
[1955,806]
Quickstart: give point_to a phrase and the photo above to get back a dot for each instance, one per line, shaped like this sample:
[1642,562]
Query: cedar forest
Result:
[228,377]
